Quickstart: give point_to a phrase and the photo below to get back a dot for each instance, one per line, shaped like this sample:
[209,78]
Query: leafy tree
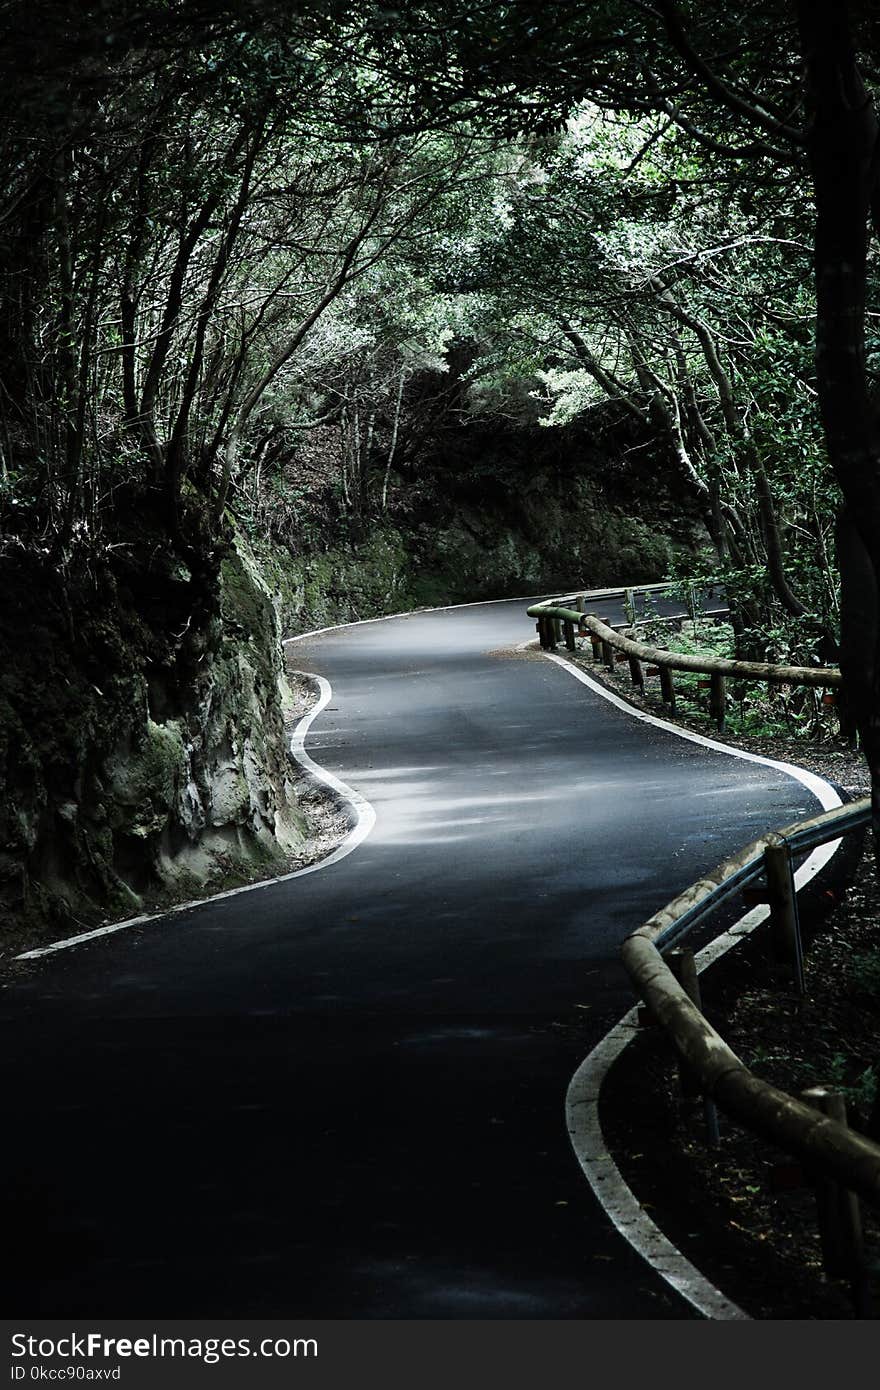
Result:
[193,188]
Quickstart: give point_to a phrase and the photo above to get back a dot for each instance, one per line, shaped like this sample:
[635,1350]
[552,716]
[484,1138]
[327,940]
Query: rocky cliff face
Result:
[142,749]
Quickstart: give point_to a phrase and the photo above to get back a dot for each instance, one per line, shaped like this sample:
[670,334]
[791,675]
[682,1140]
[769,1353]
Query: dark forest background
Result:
[317,311]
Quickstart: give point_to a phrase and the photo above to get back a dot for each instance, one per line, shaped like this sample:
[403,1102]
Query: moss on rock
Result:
[142,745]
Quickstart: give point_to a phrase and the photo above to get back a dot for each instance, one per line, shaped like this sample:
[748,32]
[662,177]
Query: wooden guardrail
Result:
[842,1164]
[557,623]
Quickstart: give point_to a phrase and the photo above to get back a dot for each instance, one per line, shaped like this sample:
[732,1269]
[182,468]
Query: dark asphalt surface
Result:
[343,1096]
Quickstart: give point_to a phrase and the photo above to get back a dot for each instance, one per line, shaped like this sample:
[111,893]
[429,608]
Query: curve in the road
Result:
[582,1097]
[363,815]
[343,1095]
[363,818]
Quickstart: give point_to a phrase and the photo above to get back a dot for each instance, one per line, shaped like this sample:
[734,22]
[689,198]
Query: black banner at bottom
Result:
[335,1355]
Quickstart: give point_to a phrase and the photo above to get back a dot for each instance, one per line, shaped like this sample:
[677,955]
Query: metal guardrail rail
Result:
[821,1143]
[747,866]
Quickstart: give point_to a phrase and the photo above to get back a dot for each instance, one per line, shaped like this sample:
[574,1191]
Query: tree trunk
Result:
[843,150]
[773,544]
[395,429]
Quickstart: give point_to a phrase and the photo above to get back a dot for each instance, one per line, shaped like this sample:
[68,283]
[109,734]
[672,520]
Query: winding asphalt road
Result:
[343,1096]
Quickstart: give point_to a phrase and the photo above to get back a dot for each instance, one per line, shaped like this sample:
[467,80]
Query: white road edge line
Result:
[364,820]
[582,1098]
[365,816]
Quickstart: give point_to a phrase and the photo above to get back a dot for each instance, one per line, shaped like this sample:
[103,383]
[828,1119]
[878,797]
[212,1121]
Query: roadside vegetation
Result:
[757,1233]
[753,708]
[321,311]
[399,304]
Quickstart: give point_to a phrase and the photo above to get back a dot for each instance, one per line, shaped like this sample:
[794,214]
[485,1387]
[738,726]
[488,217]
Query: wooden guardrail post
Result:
[608,655]
[839,1215]
[824,1144]
[635,671]
[596,644]
[692,606]
[568,631]
[629,605]
[580,603]
[848,727]
[784,915]
[717,699]
[547,634]
[667,687]
[683,965]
